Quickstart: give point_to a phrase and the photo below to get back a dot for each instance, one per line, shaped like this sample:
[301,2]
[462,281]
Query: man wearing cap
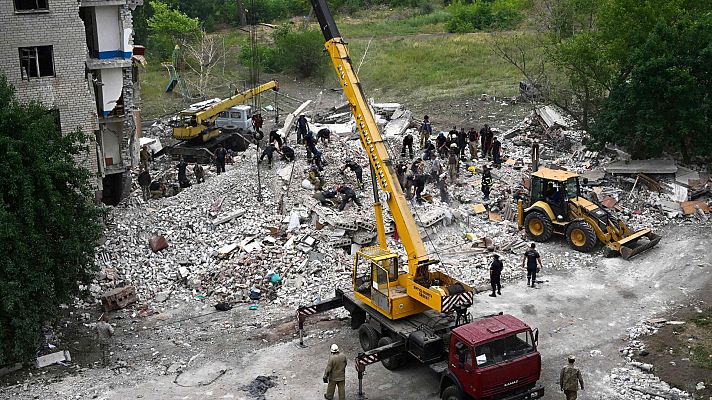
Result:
[335,374]
[570,379]
[495,276]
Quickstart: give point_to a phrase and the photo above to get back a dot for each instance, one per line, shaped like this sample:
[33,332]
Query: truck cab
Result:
[237,118]
[493,358]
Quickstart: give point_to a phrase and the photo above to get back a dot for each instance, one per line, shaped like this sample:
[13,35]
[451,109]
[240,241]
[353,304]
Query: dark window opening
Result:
[505,349]
[29,5]
[36,62]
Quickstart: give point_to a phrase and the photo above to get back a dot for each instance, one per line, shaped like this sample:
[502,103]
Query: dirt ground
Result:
[584,312]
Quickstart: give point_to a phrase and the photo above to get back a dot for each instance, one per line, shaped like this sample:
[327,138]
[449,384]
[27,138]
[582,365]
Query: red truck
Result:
[492,357]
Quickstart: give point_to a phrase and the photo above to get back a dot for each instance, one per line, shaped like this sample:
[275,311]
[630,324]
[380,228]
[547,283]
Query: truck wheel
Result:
[229,129]
[391,363]
[358,317]
[581,236]
[538,226]
[368,337]
[452,393]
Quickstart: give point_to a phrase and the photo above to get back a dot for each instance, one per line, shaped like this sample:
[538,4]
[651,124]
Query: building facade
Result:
[77,58]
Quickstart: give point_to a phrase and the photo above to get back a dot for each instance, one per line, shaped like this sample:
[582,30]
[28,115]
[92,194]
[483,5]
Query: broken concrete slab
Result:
[226,250]
[54,358]
[642,166]
[594,177]
[551,117]
[228,217]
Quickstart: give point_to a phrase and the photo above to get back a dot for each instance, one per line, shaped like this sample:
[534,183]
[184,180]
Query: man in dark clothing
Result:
[325,135]
[220,155]
[401,169]
[407,142]
[302,128]
[199,173]
[257,122]
[274,137]
[485,139]
[287,153]
[462,142]
[496,152]
[473,136]
[182,175]
[356,169]
[429,152]
[441,144]
[310,143]
[495,274]
[347,195]
[486,182]
[268,152]
[452,136]
[335,374]
[419,183]
[426,129]
[532,258]
[316,158]
[144,180]
[326,197]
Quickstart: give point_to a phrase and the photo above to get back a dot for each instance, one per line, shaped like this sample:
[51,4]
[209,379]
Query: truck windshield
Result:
[504,349]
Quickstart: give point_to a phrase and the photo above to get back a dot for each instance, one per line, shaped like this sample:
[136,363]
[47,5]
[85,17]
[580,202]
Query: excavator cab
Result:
[556,206]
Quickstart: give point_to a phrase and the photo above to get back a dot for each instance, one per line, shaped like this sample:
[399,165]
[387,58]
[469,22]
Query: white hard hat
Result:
[334,348]
[452,146]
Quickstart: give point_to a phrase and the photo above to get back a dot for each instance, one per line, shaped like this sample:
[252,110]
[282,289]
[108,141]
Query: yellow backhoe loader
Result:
[556,206]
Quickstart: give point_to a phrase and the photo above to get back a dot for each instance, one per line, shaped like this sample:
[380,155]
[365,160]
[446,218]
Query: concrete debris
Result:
[54,358]
[642,166]
[551,117]
[116,299]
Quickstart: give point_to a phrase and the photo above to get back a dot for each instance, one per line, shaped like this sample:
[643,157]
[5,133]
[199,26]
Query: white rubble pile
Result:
[633,384]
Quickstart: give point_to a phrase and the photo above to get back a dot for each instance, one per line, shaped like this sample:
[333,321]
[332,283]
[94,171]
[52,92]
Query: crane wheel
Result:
[538,226]
[368,337]
[581,236]
[390,363]
[452,393]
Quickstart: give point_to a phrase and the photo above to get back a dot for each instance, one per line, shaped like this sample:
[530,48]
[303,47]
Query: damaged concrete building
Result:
[77,58]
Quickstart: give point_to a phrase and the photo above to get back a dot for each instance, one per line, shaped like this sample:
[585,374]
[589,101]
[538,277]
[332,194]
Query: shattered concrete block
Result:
[431,218]
[157,243]
[53,358]
[228,217]
[116,299]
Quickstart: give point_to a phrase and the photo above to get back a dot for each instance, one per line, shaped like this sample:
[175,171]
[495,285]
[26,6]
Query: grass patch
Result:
[704,318]
[392,24]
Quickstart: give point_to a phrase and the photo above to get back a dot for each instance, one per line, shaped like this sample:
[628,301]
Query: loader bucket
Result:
[637,243]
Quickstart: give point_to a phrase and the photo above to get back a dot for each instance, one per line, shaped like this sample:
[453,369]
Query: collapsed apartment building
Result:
[77,58]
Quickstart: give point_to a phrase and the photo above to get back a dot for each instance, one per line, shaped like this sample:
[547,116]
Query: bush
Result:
[295,51]
[482,15]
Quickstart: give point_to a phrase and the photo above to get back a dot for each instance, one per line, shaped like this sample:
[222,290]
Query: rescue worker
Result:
[257,122]
[452,136]
[356,169]
[158,189]
[419,180]
[429,151]
[570,379]
[316,158]
[335,374]
[441,144]
[486,182]
[442,187]
[315,177]
[426,129]
[145,158]
[220,155]
[532,258]
[199,173]
[275,137]
[268,152]
[496,152]
[302,128]
[104,332]
[347,195]
[495,269]
[144,180]
[453,162]
[473,136]
[325,135]
[485,139]
[183,180]
[326,197]
[462,142]
[310,143]
[436,169]
[401,169]
[407,143]
[287,153]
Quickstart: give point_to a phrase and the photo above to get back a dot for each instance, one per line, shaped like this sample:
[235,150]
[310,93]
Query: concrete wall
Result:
[68,91]
[112,80]
[109,34]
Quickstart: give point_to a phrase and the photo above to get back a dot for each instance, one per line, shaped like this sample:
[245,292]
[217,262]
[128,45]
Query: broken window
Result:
[31,5]
[36,62]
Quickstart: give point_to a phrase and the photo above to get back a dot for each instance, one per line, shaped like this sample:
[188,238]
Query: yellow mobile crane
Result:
[376,279]
[199,130]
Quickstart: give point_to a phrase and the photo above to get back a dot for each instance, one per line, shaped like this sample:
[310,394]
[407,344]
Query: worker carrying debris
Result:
[570,379]
[355,168]
[335,374]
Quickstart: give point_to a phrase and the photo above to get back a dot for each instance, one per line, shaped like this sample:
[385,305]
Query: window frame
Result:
[36,64]
[32,10]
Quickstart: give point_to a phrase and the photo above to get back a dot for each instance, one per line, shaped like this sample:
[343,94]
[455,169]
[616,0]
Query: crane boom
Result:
[432,289]
[200,122]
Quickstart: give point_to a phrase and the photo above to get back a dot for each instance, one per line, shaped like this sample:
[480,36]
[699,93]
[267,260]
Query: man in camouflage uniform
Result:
[335,374]
[104,332]
[570,379]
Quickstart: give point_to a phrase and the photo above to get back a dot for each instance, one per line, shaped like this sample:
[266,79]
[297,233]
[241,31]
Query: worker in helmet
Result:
[347,195]
[335,374]
[356,169]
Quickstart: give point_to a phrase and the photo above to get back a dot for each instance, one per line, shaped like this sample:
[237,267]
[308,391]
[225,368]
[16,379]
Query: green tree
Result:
[297,51]
[168,27]
[49,224]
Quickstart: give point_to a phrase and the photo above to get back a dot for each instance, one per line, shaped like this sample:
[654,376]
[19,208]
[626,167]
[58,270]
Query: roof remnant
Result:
[642,166]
